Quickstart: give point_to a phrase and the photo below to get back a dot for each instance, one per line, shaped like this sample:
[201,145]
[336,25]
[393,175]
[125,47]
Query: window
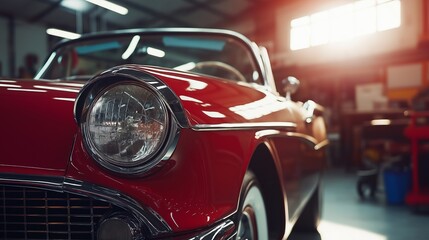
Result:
[345,22]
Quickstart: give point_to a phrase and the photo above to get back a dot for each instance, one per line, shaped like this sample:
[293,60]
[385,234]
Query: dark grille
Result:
[27,213]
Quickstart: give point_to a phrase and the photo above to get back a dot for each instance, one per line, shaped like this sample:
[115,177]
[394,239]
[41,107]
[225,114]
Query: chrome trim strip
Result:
[225,230]
[285,126]
[269,77]
[321,144]
[306,138]
[54,183]
[144,215]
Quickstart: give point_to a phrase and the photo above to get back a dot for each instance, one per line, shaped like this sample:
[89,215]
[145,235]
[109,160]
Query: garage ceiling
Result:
[142,13]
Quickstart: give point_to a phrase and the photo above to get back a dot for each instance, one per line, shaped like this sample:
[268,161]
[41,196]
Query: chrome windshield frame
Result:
[251,46]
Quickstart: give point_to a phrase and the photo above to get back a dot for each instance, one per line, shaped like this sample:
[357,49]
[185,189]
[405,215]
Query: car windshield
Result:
[211,54]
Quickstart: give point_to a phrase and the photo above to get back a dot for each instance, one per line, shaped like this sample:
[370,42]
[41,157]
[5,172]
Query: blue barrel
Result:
[397,183]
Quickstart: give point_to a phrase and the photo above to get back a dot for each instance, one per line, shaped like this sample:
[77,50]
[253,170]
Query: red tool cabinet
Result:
[418,133]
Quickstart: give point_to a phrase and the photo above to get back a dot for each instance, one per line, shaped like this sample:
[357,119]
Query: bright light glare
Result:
[345,22]
[190,99]
[255,75]
[26,90]
[321,28]
[342,23]
[69,84]
[57,89]
[62,33]
[131,48]
[258,108]
[65,99]
[335,231]
[10,86]
[186,67]
[381,122]
[365,17]
[389,15]
[214,114]
[47,64]
[155,52]
[195,85]
[300,33]
[110,6]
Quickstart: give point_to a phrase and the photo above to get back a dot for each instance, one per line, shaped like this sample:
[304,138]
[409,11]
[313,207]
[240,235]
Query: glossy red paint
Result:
[224,128]
[37,126]
[200,184]
[212,101]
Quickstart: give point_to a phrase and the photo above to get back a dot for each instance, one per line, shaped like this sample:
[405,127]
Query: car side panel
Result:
[37,126]
[196,187]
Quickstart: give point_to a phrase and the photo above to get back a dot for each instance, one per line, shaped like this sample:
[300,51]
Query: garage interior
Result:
[370,74]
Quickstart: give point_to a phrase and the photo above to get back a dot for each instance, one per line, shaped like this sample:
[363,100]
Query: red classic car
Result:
[158,134]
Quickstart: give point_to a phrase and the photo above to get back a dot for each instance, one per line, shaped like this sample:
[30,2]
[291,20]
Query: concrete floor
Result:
[345,216]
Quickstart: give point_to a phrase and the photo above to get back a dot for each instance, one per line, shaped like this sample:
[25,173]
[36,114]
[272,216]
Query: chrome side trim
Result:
[321,144]
[144,215]
[285,126]
[311,141]
[53,183]
[225,230]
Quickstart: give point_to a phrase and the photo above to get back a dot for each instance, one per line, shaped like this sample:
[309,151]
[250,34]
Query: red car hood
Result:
[209,100]
[37,126]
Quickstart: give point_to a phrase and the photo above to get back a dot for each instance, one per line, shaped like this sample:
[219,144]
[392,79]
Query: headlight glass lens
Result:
[126,125]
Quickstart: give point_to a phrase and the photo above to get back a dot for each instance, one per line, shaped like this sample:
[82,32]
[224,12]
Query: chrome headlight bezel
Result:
[103,156]
[100,85]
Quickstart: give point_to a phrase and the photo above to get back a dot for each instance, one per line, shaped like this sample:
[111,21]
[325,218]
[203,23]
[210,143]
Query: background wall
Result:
[4,69]
[28,39]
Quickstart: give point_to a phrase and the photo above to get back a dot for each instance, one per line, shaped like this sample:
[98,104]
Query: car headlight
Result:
[126,125]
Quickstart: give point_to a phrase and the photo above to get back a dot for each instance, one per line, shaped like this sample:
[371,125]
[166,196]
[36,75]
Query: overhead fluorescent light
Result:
[110,6]
[62,33]
[77,5]
[131,48]
[155,52]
